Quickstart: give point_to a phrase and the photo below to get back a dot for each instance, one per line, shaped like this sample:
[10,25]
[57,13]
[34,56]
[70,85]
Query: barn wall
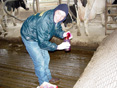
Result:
[48,4]
[101,72]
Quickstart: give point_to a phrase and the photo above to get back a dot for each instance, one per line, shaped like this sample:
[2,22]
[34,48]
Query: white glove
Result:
[63,45]
[66,33]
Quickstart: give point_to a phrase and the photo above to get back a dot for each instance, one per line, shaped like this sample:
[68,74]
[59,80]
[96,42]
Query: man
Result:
[36,32]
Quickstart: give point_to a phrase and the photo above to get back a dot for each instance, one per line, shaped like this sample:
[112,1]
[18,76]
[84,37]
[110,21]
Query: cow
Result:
[87,10]
[11,6]
[70,18]
[93,7]
[72,13]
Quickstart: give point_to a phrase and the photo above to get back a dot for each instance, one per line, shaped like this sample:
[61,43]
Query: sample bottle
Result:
[66,39]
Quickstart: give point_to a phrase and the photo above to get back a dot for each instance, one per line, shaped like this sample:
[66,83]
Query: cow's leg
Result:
[88,12]
[4,21]
[86,21]
[13,19]
[103,19]
[78,22]
[86,18]
[86,27]
[79,10]
[3,24]
[4,17]
[78,25]
[18,12]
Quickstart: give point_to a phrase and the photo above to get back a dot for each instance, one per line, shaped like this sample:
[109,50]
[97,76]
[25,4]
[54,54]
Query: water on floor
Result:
[17,70]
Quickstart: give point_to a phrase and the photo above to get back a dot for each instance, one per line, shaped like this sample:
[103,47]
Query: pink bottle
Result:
[66,39]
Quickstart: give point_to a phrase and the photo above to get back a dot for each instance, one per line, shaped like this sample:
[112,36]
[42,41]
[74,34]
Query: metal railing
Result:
[109,23]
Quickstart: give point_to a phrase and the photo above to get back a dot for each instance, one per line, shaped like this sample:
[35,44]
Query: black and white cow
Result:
[69,17]
[87,10]
[11,6]
[15,4]
[72,8]
[85,14]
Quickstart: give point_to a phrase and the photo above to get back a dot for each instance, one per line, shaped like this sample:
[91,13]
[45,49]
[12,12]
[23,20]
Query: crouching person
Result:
[36,33]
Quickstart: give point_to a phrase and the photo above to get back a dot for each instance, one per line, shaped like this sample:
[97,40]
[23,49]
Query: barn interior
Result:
[16,67]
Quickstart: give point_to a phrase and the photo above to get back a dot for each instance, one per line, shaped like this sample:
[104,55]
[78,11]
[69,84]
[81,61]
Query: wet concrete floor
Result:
[17,70]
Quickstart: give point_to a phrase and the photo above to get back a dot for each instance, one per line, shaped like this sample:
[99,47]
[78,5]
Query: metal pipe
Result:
[34,7]
[34,10]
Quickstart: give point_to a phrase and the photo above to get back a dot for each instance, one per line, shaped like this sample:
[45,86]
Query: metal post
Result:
[105,16]
[109,6]
[59,1]
[37,5]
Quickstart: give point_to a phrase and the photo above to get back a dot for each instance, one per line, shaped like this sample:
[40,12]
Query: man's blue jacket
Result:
[41,28]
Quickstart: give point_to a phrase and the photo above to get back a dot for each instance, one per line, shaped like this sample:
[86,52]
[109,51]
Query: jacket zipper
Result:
[56,26]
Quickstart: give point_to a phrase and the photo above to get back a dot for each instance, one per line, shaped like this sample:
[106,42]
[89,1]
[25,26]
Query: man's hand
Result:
[63,45]
[66,34]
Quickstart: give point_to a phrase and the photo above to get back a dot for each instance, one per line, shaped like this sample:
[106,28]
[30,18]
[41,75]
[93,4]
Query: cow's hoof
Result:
[15,24]
[0,33]
[4,30]
[86,34]
[103,25]
[6,26]
[5,34]
[78,34]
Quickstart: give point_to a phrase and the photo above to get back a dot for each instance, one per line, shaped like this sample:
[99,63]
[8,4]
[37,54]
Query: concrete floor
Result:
[17,70]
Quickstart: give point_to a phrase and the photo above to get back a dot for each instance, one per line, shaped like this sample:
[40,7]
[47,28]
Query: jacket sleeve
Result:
[59,32]
[43,36]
